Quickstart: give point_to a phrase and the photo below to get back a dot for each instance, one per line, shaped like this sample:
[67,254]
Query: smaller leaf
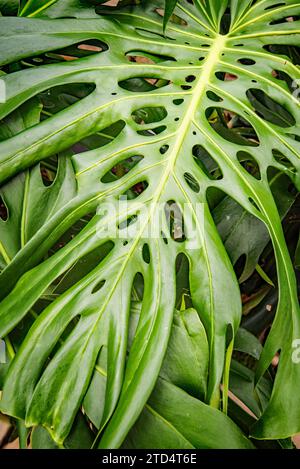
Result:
[31,8]
[263,275]
[170,6]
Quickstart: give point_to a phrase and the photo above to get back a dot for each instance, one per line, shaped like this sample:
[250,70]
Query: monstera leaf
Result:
[186,114]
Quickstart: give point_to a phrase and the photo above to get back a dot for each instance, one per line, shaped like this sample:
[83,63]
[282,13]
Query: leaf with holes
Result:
[173,112]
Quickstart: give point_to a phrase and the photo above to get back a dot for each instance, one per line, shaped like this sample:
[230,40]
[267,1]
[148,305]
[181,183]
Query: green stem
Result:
[9,347]
[226,377]
[23,433]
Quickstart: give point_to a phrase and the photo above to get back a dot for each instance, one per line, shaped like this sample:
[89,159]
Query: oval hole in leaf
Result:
[61,97]
[100,138]
[192,182]
[276,5]
[246,61]
[79,50]
[128,222]
[147,115]
[293,136]
[164,149]
[214,196]
[183,291]
[268,109]
[165,240]
[138,289]
[252,202]
[84,265]
[282,76]
[71,233]
[135,191]
[206,162]
[98,286]
[48,170]
[249,163]
[229,334]
[213,97]
[69,53]
[121,169]
[285,162]
[3,210]
[146,253]
[140,56]
[285,19]
[283,190]
[232,127]
[90,46]
[177,102]
[175,221]
[292,52]
[190,78]
[143,84]
[151,132]
[225,22]
[226,76]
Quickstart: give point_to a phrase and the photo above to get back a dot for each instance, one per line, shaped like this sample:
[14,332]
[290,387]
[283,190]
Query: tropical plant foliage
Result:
[118,123]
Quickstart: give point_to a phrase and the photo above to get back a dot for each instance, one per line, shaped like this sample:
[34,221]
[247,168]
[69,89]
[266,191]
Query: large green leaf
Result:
[181,81]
